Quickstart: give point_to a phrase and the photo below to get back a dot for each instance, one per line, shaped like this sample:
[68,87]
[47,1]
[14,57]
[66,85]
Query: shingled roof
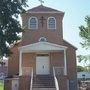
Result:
[42,8]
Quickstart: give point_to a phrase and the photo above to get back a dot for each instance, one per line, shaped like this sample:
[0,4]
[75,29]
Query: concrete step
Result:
[43,81]
[44,89]
[43,86]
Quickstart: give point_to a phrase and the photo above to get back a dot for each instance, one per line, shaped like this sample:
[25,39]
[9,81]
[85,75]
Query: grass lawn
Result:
[1,86]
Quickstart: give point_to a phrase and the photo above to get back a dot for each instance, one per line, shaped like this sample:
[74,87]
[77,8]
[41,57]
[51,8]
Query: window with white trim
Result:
[33,23]
[51,23]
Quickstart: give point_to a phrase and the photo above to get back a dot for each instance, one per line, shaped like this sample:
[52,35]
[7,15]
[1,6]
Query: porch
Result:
[43,59]
[56,55]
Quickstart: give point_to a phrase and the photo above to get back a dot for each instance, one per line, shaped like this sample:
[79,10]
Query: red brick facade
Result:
[56,58]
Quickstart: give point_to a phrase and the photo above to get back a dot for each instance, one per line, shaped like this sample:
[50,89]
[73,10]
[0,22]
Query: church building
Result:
[42,60]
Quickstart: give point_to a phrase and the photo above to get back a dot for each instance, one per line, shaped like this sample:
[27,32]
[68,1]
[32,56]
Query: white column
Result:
[65,63]
[20,63]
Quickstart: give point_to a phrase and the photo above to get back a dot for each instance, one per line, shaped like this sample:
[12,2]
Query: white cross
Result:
[41,1]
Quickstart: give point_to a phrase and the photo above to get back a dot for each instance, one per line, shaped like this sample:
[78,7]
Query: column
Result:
[20,63]
[65,63]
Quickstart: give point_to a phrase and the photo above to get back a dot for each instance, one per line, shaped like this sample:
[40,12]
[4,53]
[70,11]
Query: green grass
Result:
[1,86]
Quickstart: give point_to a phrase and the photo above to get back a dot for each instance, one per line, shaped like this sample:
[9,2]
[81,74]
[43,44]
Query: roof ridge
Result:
[42,8]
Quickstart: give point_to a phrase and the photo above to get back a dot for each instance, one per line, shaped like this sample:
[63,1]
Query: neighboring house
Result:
[83,75]
[42,60]
[3,68]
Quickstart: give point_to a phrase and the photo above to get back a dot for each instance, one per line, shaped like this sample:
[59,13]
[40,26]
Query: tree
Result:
[80,69]
[9,24]
[85,35]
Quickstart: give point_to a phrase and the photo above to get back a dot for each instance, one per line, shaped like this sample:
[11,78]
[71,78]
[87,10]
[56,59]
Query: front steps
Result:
[44,89]
[43,82]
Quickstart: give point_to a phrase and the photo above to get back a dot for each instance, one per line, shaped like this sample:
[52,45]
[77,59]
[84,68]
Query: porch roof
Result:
[42,47]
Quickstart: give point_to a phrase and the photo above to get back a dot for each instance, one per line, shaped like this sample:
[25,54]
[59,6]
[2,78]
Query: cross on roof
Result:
[41,1]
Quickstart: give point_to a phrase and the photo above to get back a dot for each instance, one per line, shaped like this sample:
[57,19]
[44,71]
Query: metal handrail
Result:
[55,79]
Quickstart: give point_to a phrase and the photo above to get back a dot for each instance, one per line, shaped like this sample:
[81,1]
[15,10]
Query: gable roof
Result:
[42,46]
[42,8]
[70,44]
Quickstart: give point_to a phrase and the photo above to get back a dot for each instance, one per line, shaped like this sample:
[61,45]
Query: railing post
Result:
[53,71]
[31,83]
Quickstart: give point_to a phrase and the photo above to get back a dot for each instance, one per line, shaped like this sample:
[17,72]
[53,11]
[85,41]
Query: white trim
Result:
[36,23]
[48,23]
[45,12]
[20,63]
[42,47]
[44,39]
[52,44]
[65,63]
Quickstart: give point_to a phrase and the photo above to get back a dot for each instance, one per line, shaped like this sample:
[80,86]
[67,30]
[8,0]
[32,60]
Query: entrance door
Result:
[42,65]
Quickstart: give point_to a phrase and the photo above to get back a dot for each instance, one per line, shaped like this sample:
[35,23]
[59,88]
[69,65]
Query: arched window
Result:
[42,39]
[33,23]
[51,23]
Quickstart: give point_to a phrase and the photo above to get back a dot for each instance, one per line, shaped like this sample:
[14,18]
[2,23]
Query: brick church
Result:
[42,60]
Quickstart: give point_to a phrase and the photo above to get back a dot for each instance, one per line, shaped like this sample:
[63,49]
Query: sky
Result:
[75,12]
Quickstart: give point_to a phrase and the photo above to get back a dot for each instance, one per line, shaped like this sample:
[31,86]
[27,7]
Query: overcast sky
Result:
[75,12]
